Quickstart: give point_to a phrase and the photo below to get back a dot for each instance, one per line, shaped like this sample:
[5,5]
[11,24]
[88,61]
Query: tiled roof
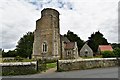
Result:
[105,48]
[65,39]
[69,45]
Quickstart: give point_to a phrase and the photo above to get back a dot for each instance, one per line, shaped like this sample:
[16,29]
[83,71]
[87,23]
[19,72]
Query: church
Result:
[48,42]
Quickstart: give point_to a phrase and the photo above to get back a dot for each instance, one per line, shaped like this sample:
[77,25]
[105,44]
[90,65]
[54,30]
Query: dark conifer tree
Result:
[95,40]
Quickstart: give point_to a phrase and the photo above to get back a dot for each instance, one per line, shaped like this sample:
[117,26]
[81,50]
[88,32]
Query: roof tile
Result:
[105,48]
[69,45]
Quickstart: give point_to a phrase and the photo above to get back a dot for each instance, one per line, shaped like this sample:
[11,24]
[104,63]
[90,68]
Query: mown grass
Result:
[13,60]
[0,60]
[51,65]
[100,56]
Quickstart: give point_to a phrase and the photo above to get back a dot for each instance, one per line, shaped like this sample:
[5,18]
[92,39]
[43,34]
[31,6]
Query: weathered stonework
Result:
[47,35]
[81,64]
[18,68]
[48,43]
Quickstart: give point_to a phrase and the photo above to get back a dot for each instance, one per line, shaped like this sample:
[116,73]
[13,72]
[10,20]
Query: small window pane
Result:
[44,47]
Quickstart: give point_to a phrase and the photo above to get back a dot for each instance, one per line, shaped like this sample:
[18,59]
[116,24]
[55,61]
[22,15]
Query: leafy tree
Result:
[74,38]
[115,45]
[10,53]
[95,40]
[117,52]
[3,53]
[25,45]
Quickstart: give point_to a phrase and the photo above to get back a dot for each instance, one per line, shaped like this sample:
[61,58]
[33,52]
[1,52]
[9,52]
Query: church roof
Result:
[69,45]
[105,48]
[65,39]
[86,47]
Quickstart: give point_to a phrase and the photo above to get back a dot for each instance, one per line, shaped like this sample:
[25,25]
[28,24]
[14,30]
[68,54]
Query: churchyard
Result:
[29,66]
[46,48]
[22,66]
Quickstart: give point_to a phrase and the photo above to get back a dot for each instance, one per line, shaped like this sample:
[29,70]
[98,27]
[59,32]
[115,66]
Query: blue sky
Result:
[83,17]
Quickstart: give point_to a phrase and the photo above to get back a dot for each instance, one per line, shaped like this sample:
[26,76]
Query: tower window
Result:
[44,47]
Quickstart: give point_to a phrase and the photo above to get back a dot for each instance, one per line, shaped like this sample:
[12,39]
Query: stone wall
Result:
[81,64]
[18,68]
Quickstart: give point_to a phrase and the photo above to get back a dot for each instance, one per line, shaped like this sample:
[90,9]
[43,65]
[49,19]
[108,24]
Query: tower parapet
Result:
[50,11]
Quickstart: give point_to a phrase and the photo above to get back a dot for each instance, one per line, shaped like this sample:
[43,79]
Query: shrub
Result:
[51,61]
[43,65]
[18,58]
[107,54]
[117,52]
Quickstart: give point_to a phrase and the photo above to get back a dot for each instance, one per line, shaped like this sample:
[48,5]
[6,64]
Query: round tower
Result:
[47,35]
[50,11]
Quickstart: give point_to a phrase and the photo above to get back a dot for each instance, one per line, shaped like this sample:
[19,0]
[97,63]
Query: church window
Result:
[69,54]
[44,47]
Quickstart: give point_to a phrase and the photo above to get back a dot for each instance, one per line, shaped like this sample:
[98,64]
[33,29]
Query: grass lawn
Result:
[51,65]
[100,56]
[0,60]
[13,60]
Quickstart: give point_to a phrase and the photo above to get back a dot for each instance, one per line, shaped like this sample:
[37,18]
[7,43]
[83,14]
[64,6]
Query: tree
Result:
[117,52]
[25,45]
[10,53]
[95,40]
[115,45]
[3,52]
[74,38]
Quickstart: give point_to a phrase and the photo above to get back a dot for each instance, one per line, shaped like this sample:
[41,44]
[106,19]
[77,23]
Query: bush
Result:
[117,52]
[108,54]
[51,61]
[43,65]
[18,58]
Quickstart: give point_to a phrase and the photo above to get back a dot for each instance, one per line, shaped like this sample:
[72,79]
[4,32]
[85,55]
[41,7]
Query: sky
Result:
[83,17]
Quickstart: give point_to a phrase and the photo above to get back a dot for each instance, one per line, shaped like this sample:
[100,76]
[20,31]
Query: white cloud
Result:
[83,17]
[89,16]
[17,18]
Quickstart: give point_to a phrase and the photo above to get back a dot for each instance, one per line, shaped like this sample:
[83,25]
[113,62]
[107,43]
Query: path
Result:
[52,70]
